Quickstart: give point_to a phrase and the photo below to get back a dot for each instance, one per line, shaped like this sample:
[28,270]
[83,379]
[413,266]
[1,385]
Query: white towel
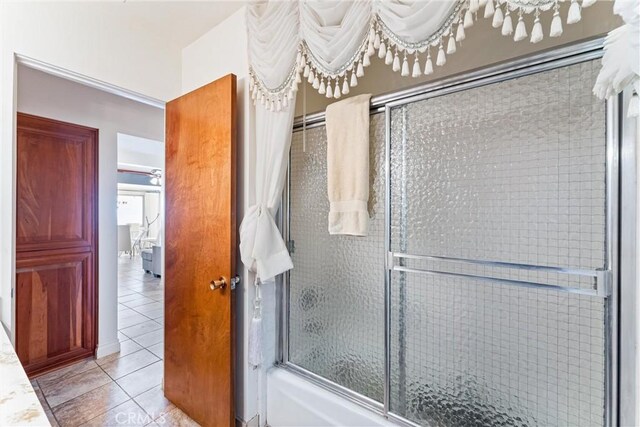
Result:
[348,165]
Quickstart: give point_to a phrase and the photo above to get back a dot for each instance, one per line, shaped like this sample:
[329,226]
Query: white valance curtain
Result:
[330,43]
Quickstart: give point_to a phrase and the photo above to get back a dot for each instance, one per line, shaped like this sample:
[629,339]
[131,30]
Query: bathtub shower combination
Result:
[486,290]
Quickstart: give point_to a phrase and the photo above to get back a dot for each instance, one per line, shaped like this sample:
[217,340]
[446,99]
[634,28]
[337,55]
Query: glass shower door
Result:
[500,261]
[336,289]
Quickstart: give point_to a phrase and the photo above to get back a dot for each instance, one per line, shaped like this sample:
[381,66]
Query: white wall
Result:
[95,39]
[48,96]
[89,38]
[219,52]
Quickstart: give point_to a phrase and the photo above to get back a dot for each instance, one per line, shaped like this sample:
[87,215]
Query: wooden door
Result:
[56,235]
[200,246]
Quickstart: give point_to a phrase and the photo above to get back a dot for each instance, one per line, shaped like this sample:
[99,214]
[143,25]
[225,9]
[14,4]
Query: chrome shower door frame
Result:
[608,281]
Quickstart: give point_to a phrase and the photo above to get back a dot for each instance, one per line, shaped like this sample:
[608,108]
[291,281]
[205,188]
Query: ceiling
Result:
[181,21]
[140,154]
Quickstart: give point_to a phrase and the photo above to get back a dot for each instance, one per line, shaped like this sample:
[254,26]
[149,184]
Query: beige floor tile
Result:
[138,302]
[155,314]
[132,298]
[125,292]
[128,283]
[142,380]
[132,320]
[155,294]
[67,371]
[125,414]
[154,403]
[126,312]
[44,403]
[144,309]
[90,405]
[125,365]
[60,391]
[141,328]
[176,418]
[126,347]
[147,340]
[144,288]
[157,349]
[137,286]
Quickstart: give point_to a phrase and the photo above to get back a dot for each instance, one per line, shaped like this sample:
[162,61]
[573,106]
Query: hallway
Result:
[123,388]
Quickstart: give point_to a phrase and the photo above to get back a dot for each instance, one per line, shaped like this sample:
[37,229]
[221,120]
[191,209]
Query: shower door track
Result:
[607,279]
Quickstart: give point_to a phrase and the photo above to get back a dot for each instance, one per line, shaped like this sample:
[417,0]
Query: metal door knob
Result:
[221,283]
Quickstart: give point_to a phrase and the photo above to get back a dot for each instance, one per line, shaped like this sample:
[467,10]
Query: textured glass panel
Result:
[510,172]
[336,320]
[468,353]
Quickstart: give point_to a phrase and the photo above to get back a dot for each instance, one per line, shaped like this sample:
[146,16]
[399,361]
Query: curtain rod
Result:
[379,102]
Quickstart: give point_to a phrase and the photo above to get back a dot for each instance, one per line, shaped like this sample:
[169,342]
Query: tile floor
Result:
[123,388]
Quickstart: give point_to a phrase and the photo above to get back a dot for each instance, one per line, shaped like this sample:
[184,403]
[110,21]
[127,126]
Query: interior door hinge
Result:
[234,281]
[291,246]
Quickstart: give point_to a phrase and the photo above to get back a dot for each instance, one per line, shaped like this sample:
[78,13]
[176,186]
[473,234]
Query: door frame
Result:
[35,64]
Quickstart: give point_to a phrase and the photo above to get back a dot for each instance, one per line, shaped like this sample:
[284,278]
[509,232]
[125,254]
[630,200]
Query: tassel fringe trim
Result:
[384,44]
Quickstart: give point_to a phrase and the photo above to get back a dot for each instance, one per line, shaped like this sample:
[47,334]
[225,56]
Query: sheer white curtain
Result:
[274,37]
[261,245]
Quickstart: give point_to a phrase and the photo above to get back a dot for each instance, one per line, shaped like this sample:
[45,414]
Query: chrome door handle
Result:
[221,283]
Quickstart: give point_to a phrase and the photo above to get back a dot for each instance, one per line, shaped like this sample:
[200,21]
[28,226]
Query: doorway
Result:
[119,382]
[140,214]
[127,379]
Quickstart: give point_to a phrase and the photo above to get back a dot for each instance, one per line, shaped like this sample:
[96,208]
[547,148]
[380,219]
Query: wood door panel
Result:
[54,198]
[50,298]
[200,246]
[56,242]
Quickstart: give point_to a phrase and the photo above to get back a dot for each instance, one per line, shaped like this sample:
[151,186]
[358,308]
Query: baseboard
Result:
[103,350]
[253,422]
